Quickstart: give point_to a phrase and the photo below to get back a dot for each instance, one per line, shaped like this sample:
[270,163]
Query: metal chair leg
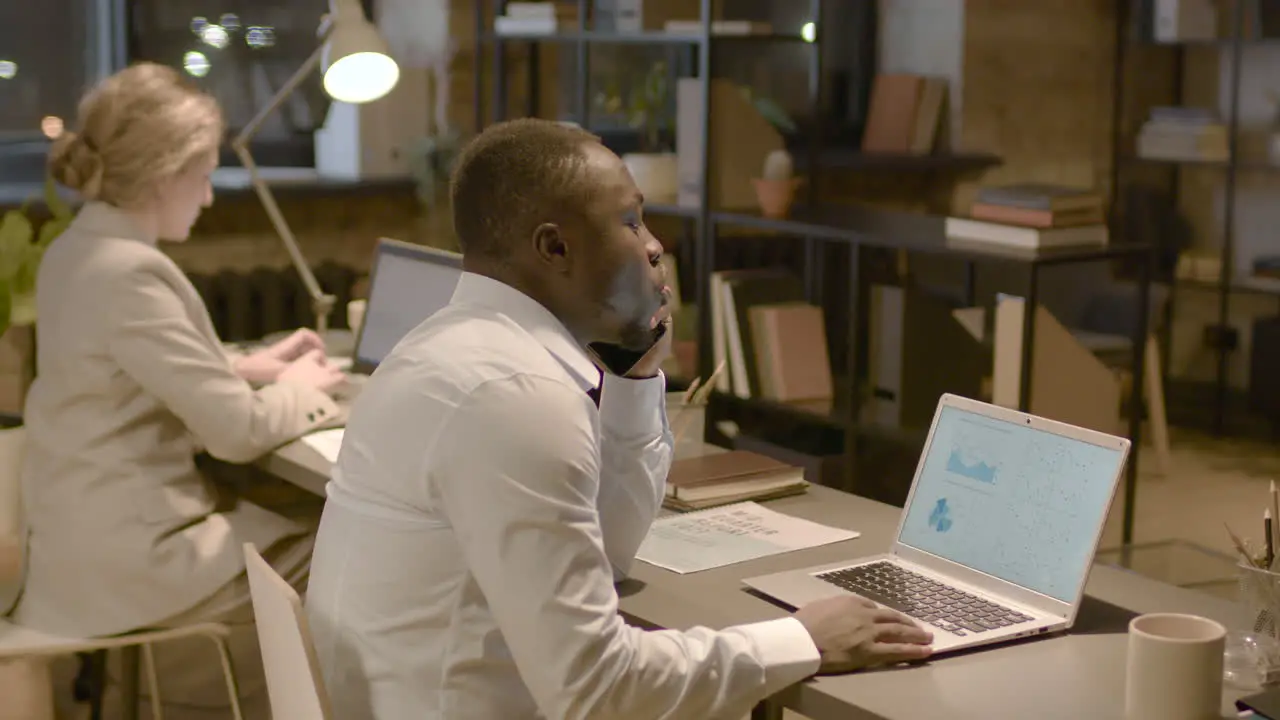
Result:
[153,682]
[229,673]
[91,682]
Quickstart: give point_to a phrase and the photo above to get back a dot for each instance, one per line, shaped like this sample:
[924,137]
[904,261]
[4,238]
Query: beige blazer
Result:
[132,382]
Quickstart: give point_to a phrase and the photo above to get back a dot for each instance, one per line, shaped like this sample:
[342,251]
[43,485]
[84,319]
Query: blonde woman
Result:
[132,383]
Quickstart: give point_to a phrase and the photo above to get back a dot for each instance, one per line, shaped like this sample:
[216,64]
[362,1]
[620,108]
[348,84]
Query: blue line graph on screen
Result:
[976,470]
[976,451]
[940,518]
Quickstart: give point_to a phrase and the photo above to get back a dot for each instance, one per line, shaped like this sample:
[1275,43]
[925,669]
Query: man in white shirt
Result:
[484,503]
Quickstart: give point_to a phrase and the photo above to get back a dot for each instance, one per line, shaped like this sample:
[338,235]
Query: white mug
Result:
[1174,669]
[355,314]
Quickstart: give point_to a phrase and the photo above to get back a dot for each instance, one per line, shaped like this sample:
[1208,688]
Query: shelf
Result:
[1224,42]
[669,210]
[824,414]
[1245,165]
[912,232]
[851,159]
[648,37]
[1241,284]
[834,417]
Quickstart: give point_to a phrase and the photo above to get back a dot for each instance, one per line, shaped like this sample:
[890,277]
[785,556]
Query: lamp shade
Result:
[358,66]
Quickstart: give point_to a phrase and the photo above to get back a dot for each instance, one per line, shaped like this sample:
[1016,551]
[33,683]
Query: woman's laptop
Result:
[997,535]
[408,284]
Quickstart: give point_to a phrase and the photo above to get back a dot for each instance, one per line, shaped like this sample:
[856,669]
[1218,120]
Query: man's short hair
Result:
[511,178]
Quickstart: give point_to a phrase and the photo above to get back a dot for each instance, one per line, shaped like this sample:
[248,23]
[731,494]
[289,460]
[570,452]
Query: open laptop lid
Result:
[1011,502]
[407,284]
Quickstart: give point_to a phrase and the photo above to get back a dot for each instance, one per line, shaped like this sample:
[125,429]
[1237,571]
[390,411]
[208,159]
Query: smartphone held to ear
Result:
[619,360]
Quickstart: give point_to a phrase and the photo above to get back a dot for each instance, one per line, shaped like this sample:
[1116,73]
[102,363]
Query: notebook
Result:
[724,478]
[1265,704]
[730,534]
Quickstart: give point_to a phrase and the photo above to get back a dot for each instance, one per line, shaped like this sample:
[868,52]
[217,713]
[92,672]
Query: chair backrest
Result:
[294,683]
[13,528]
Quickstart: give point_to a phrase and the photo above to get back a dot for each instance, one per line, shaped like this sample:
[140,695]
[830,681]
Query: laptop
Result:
[407,284]
[998,533]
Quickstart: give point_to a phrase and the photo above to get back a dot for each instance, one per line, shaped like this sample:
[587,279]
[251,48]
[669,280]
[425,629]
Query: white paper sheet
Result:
[325,442]
[730,534]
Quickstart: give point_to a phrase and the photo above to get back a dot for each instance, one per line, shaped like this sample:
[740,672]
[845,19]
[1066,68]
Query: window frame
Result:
[112,42]
[297,152]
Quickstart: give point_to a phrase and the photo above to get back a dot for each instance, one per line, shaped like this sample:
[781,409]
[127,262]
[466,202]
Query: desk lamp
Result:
[357,68]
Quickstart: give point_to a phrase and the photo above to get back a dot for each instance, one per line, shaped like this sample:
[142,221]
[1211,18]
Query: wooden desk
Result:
[1072,676]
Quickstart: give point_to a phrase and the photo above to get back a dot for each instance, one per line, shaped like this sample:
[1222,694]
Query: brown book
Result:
[891,123]
[733,476]
[791,352]
[1039,196]
[1036,218]
[929,116]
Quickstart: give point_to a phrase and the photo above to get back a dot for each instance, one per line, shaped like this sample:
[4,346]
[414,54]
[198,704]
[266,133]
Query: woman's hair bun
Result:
[75,163]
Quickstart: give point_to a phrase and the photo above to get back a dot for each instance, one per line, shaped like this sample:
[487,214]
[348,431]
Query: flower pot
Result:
[655,175]
[775,196]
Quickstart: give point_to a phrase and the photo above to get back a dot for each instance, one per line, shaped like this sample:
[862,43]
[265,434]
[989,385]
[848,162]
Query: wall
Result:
[1038,89]
[1031,83]
[926,37]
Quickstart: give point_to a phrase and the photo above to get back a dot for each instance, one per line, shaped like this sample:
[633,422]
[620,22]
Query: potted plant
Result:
[776,189]
[648,108]
[22,245]
[430,163]
[21,248]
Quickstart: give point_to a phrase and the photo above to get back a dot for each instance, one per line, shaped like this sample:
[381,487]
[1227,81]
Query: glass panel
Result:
[241,52]
[40,75]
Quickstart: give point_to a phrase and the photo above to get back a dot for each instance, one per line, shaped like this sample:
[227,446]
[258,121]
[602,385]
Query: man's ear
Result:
[551,246]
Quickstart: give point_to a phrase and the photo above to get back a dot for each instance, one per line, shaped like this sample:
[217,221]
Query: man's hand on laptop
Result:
[853,633]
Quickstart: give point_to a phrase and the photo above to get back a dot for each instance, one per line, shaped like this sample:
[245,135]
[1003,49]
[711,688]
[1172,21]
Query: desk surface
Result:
[1076,675]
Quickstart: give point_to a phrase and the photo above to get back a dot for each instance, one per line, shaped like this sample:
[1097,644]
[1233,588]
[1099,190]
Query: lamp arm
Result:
[290,85]
[321,303]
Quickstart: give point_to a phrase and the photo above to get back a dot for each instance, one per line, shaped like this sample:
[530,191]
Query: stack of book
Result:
[730,477]
[1033,216]
[1183,134]
[535,18]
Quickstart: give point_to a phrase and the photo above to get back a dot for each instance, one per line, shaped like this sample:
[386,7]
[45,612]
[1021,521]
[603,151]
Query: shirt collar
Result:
[99,218]
[534,319]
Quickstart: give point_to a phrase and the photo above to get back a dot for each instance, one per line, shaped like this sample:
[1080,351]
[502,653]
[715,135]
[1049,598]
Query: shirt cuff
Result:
[633,408]
[316,406]
[785,650]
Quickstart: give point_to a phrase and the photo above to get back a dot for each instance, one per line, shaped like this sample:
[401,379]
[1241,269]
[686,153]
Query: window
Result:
[40,77]
[242,51]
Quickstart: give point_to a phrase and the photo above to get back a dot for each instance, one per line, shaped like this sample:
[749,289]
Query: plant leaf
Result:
[15,238]
[51,230]
[6,307]
[24,280]
[60,209]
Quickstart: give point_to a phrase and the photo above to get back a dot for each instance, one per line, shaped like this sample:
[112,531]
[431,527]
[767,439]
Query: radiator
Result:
[249,305]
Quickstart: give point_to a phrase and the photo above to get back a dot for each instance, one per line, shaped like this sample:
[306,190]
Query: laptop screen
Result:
[409,284]
[1020,503]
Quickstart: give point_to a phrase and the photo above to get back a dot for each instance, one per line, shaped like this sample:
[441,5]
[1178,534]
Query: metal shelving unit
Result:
[811,223]
[1130,33]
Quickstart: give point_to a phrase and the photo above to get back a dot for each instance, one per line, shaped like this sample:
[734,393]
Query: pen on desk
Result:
[1275,511]
[693,388]
[1270,549]
[1241,547]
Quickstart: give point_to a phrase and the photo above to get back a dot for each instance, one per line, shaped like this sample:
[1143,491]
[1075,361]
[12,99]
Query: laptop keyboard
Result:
[940,605]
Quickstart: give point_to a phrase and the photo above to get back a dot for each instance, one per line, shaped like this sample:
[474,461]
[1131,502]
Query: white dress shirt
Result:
[479,509]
